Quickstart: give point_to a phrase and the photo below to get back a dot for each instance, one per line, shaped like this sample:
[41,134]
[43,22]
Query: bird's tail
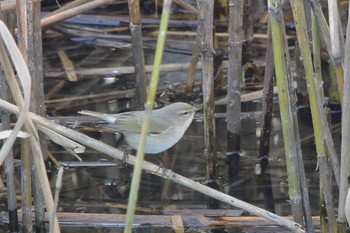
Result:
[110,118]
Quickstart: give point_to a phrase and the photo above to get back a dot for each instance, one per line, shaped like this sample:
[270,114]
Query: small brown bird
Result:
[167,125]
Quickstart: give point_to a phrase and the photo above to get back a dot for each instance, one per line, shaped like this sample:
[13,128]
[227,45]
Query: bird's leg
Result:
[124,162]
[160,164]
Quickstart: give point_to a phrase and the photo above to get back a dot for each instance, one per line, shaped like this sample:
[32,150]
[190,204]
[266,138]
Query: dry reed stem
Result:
[345,145]
[296,177]
[206,47]
[23,103]
[138,54]
[234,76]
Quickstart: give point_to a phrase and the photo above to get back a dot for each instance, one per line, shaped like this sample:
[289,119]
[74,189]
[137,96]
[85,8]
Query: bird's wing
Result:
[159,124]
[132,122]
[126,122]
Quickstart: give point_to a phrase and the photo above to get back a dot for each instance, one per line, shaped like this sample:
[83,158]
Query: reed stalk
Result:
[345,145]
[205,32]
[193,65]
[301,169]
[26,186]
[57,195]
[138,55]
[325,35]
[296,177]
[135,183]
[9,161]
[316,113]
[234,76]
[266,119]
[335,31]
[24,14]
[318,79]
[9,167]
[337,43]
[23,104]
[30,42]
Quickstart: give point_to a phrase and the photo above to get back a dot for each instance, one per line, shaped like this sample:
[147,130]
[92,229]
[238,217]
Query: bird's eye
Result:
[185,113]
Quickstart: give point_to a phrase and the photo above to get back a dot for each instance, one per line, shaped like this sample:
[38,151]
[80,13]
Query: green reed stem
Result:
[135,183]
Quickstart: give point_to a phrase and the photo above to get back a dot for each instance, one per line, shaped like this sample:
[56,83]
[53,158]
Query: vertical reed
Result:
[9,166]
[26,164]
[193,65]
[9,162]
[233,107]
[335,32]
[325,35]
[26,187]
[316,113]
[135,183]
[301,169]
[138,56]
[23,104]
[35,63]
[248,28]
[318,79]
[266,117]
[296,178]
[345,145]
[205,32]
[30,42]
